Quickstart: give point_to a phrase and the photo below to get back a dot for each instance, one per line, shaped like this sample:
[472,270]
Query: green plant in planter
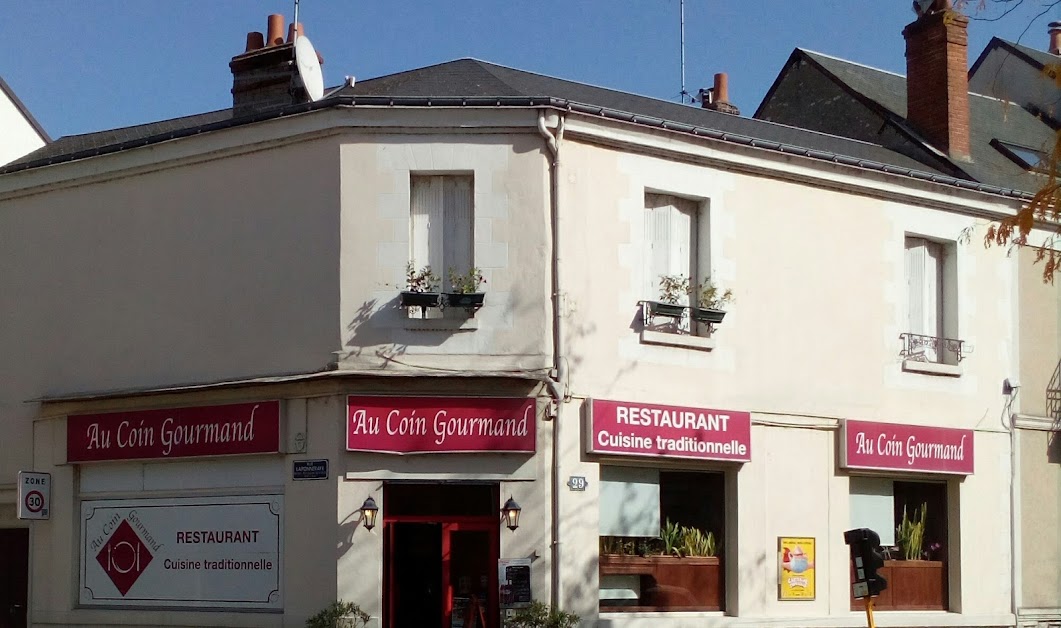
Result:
[423,280]
[339,614]
[910,534]
[672,288]
[616,545]
[696,543]
[710,297]
[539,615]
[671,534]
[468,283]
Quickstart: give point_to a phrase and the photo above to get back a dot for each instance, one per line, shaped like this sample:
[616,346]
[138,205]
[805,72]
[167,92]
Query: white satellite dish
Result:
[309,68]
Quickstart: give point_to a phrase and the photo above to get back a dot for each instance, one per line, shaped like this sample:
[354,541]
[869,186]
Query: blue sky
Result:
[83,66]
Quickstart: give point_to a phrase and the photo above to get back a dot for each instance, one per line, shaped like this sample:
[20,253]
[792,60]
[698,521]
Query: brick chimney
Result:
[265,75]
[1055,38]
[717,98]
[937,79]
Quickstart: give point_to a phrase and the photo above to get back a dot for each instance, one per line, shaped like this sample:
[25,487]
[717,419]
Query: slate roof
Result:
[1037,58]
[470,82]
[989,119]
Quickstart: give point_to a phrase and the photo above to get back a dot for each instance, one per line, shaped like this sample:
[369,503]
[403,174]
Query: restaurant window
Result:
[911,520]
[661,540]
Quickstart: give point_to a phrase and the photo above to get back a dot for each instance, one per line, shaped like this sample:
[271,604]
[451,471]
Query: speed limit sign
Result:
[34,495]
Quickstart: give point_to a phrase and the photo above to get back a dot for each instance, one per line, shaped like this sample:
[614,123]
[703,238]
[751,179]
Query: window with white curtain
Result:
[442,225]
[671,234]
[930,279]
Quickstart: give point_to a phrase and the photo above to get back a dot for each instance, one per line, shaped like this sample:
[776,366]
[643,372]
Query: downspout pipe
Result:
[558,378]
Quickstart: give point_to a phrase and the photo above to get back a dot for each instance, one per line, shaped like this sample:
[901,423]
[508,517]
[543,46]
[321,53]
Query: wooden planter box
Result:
[669,583]
[913,585]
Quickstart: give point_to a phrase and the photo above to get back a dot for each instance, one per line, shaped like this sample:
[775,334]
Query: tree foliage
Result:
[1044,208]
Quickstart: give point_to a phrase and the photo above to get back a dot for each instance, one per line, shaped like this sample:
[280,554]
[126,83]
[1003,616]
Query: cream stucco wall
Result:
[512,330]
[1040,466]
[183,275]
[812,339]
[820,290]
[328,554]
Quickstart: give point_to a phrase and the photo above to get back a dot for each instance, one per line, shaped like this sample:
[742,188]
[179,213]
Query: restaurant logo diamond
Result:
[124,557]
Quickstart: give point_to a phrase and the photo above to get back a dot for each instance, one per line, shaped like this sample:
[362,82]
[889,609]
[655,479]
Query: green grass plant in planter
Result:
[910,534]
[672,536]
[696,543]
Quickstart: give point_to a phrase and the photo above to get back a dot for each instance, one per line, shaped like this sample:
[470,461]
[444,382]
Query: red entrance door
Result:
[469,574]
[441,546]
[14,577]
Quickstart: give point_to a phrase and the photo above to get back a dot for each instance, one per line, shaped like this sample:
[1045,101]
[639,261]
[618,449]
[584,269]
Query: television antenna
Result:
[681,10]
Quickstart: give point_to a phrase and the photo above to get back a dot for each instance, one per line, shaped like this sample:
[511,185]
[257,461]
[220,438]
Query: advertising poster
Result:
[210,552]
[795,576]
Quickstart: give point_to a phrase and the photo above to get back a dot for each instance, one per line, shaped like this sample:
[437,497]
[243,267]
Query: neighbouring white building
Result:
[212,347]
[20,133]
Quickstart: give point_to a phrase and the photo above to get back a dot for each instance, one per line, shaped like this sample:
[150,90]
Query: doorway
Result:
[441,546]
[14,577]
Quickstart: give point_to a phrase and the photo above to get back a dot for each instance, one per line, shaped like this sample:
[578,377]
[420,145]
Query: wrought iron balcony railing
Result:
[921,348]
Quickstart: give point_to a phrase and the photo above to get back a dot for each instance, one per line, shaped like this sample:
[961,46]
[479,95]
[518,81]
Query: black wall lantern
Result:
[369,510]
[510,513]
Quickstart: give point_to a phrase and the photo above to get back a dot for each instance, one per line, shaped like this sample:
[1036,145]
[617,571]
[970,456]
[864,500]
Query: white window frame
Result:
[441,228]
[931,299]
[676,241]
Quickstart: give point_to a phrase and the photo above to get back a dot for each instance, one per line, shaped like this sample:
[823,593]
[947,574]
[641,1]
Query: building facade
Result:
[253,400]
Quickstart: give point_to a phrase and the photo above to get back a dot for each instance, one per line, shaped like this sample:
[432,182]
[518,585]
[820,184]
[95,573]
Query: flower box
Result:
[672,310]
[708,315]
[670,583]
[913,585]
[467,300]
[419,299]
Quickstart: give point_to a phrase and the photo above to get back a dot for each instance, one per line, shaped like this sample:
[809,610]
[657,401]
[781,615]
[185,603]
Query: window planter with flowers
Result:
[678,571]
[916,574]
[704,303]
[464,290]
[421,288]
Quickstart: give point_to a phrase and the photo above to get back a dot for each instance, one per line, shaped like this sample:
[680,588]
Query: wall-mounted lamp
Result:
[510,513]
[369,510]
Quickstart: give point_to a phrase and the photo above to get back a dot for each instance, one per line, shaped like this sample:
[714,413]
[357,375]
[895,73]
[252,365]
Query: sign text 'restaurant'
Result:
[643,429]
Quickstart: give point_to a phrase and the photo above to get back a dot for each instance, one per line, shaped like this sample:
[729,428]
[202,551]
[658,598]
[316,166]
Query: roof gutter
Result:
[535,101]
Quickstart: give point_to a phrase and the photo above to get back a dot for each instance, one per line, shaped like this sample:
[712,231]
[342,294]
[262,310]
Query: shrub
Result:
[539,615]
[339,614]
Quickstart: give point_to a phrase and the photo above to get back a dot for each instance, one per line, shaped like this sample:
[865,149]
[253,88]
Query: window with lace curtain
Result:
[442,228]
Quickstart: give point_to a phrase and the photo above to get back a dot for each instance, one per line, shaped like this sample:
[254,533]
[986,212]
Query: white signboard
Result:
[34,495]
[210,552]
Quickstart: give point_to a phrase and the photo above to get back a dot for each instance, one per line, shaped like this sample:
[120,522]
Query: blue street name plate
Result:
[310,470]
